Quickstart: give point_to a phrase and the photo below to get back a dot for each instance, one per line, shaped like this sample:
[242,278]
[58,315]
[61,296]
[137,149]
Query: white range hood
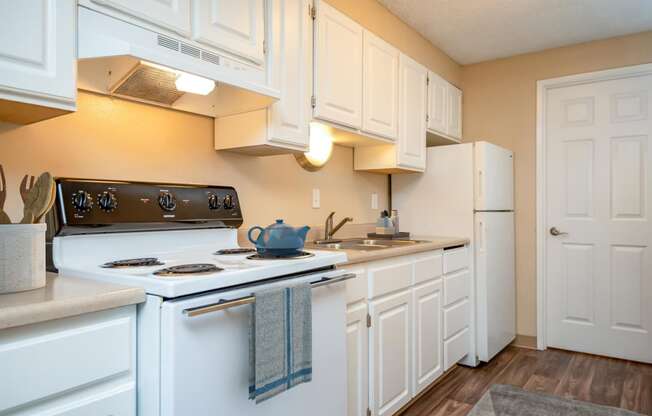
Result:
[125,60]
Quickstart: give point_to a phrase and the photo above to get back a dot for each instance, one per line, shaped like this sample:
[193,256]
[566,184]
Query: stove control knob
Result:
[228,202]
[166,201]
[213,201]
[107,201]
[82,201]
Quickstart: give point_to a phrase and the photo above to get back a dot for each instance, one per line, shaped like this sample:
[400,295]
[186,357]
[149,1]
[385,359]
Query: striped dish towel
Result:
[280,341]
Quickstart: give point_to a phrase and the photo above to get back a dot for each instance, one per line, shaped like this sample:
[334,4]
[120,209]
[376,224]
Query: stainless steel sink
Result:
[363,244]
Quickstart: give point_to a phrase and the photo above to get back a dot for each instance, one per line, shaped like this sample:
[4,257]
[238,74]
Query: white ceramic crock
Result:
[22,257]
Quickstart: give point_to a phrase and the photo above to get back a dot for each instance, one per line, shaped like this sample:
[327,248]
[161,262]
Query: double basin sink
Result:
[362,244]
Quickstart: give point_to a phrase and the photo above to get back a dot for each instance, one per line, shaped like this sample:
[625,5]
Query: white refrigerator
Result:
[468,190]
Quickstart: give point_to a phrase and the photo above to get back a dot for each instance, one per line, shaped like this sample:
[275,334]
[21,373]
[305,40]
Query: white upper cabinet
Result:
[412,114]
[284,127]
[338,68]
[437,104]
[444,109]
[380,83]
[455,112]
[38,56]
[237,27]
[291,72]
[173,15]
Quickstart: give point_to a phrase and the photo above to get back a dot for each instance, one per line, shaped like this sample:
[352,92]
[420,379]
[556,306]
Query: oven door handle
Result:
[223,304]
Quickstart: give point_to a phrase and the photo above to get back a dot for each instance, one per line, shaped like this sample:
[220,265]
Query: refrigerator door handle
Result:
[480,180]
[481,235]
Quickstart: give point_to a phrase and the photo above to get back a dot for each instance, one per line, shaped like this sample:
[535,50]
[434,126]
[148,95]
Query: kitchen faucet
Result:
[329,230]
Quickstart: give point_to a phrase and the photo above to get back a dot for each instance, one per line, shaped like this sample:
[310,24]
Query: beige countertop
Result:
[63,297]
[433,243]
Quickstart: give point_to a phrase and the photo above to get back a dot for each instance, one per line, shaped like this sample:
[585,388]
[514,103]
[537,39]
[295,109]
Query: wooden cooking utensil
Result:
[38,198]
[4,218]
[49,206]
[25,187]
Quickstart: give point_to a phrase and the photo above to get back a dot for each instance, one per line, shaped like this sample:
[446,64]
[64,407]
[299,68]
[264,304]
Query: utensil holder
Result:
[22,257]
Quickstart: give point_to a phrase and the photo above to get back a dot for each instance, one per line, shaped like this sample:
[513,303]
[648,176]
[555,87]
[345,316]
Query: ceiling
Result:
[472,31]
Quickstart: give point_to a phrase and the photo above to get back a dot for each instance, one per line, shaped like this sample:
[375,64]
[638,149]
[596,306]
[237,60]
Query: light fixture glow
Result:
[194,84]
[321,148]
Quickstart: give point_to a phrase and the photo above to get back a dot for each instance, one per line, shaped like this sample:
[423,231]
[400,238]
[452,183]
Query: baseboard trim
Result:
[525,341]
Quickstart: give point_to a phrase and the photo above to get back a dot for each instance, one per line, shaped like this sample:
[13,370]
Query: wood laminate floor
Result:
[573,375]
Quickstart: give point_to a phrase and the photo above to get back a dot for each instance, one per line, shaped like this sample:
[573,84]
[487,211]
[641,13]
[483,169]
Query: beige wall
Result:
[500,106]
[115,139]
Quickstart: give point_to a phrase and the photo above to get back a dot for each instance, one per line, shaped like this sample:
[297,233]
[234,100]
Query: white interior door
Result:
[598,256]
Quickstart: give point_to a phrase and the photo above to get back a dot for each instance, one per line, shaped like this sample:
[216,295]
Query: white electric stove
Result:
[179,243]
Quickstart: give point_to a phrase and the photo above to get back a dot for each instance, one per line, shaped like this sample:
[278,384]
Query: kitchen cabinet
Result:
[234,26]
[380,87]
[357,359]
[172,15]
[427,300]
[37,60]
[417,326]
[391,352]
[92,356]
[283,127]
[338,68]
[444,111]
[409,153]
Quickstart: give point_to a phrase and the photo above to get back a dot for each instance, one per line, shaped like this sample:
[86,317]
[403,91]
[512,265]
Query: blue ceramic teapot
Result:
[278,239]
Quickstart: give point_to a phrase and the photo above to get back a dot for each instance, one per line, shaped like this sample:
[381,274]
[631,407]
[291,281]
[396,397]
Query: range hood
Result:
[121,59]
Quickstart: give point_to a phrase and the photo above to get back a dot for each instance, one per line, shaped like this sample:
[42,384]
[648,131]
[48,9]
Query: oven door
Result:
[205,361]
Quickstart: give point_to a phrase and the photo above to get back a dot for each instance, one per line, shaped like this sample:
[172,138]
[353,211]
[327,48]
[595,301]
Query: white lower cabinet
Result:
[84,365]
[427,299]
[357,344]
[398,320]
[391,352]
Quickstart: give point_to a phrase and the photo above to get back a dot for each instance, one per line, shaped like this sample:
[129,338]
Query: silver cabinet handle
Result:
[554,231]
[226,304]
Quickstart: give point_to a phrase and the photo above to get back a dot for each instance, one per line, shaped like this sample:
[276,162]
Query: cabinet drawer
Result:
[389,276]
[456,348]
[427,266]
[456,259]
[121,403]
[455,318]
[457,286]
[79,351]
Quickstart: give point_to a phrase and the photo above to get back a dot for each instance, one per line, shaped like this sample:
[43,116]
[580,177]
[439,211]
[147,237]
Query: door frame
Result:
[541,198]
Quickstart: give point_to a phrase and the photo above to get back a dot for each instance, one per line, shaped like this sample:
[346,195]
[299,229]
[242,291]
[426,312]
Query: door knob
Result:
[554,231]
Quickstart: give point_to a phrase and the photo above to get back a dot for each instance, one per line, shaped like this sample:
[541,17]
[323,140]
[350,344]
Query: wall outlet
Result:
[316,198]
[374,200]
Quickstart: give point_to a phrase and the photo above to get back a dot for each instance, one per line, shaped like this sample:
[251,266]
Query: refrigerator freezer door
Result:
[496,286]
[494,178]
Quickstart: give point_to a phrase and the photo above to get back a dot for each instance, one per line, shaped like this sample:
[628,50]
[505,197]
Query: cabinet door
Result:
[427,334]
[412,114]
[291,73]
[338,68]
[357,344]
[234,26]
[173,15]
[391,352]
[438,103]
[380,84]
[37,52]
[455,112]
